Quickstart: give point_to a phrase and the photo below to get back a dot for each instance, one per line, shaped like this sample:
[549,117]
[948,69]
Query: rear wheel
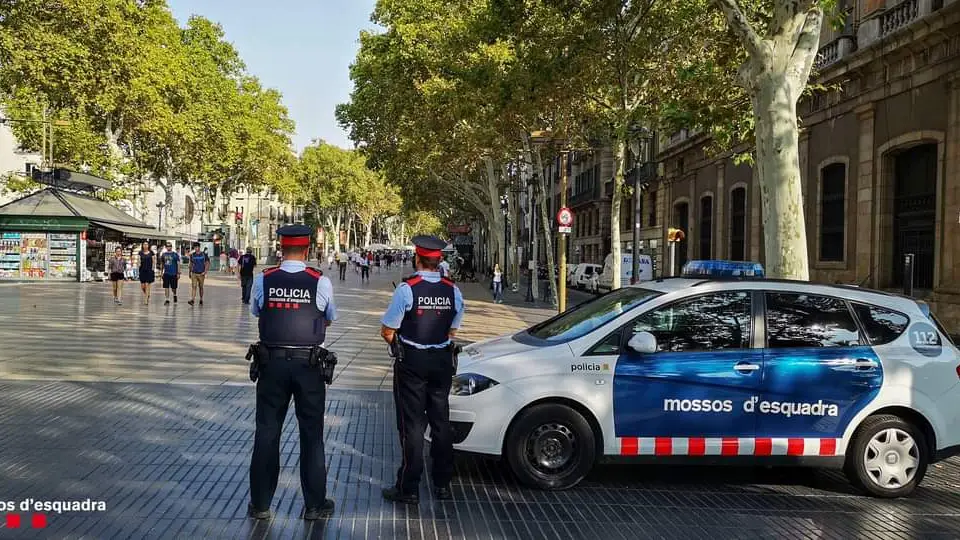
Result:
[551,446]
[888,457]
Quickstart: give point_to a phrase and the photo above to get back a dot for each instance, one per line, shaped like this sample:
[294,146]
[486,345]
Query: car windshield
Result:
[588,316]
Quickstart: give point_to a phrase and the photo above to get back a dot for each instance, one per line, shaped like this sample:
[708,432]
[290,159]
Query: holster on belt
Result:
[325,360]
[256,355]
[455,349]
[396,348]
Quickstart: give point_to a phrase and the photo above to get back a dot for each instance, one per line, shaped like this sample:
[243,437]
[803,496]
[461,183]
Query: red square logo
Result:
[13,521]
[38,521]
[287,306]
[296,306]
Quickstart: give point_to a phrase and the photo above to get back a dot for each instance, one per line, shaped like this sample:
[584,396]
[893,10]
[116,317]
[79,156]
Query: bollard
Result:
[908,274]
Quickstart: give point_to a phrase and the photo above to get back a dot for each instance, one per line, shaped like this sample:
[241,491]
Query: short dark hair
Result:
[430,263]
[293,250]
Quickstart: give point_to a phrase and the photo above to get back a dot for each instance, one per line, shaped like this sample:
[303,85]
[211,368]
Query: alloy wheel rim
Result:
[551,448]
[891,458]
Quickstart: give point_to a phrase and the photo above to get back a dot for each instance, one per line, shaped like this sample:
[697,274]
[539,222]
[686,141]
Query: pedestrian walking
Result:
[330,261]
[247,263]
[342,263]
[419,325]
[234,260]
[117,266]
[169,262]
[497,284]
[444,268]
[146,273]
[288,349]
[199,266]
[364,268]
[223,262]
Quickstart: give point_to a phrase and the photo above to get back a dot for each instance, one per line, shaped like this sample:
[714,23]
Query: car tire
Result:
[879,457]
[551,446]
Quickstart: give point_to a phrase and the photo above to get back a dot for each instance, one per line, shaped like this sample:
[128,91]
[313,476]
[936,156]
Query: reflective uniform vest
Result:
[434,308]
[289,316]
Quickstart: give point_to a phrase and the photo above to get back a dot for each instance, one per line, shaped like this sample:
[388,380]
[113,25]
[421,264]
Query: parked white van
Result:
[604,280]
[583,275]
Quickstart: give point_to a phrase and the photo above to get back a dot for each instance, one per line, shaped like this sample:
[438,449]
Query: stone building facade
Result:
[879,157]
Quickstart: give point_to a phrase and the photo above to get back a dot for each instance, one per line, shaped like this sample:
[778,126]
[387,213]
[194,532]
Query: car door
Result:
[818,371]
[704,368]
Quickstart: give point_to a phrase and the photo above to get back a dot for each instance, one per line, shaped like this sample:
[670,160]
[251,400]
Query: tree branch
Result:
[738,22]
[805,50]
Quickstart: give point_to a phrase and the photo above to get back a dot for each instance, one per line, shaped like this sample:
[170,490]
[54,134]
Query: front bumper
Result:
[482,419]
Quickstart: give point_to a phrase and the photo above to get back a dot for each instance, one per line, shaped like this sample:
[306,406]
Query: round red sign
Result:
[565,217]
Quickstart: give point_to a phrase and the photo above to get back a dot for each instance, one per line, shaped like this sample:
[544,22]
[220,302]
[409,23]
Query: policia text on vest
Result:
[295,305]
[419,324]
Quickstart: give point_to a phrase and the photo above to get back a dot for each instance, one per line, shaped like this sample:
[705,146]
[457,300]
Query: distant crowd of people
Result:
[363,260]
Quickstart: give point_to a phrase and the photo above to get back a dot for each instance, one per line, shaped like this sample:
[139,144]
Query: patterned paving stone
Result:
[170,461]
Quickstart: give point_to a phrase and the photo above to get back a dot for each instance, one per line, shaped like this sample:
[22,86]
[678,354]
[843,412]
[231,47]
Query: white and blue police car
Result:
[700,368]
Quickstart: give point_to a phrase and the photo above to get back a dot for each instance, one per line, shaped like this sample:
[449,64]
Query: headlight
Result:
[468,384]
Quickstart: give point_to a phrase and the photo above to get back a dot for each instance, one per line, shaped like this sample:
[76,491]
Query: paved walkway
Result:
[75,332]
[147,409]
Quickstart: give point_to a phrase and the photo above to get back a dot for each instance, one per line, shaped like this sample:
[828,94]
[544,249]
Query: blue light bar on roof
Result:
[722,269]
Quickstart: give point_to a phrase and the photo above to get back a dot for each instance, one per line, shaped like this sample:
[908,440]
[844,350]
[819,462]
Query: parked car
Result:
[583,274]
[720,369]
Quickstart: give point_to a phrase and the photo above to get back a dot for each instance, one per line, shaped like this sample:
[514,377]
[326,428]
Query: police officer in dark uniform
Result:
[419,325]
[295,305]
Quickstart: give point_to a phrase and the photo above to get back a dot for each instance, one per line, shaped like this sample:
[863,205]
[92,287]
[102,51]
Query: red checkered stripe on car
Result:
[726,446]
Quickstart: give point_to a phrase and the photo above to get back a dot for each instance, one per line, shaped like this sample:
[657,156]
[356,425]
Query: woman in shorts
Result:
[117,265]
[147,263]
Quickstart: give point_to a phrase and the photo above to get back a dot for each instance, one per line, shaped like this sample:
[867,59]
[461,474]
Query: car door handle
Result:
[745,367]
[865,363]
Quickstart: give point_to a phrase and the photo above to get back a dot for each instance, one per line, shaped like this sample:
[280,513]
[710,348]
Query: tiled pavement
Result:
[169,458]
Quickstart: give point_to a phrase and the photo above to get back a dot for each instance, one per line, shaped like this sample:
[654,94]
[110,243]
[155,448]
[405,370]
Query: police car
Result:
[706,369]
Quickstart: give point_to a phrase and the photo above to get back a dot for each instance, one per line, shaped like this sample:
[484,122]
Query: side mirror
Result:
[643,343]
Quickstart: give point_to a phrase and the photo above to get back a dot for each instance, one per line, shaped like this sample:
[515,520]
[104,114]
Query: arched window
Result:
[706,227]
[833,180]
[738,224]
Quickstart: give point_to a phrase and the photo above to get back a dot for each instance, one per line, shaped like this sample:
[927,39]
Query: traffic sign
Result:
[565,217]
[565,230]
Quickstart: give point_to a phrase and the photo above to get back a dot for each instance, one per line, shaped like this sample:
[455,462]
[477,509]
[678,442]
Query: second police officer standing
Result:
[295,305]
[419,325]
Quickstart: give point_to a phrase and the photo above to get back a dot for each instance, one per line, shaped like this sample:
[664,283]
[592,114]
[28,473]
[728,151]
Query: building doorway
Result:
[914,213]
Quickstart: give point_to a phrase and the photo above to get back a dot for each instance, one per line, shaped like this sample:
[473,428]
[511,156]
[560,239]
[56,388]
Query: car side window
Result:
[609,345]
[708,322]
[808,320]
[881,325]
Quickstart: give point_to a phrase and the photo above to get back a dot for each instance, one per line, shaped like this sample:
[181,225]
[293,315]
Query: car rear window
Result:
[881,325]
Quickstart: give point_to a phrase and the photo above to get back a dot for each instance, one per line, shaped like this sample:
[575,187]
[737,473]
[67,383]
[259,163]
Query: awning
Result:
[140,233]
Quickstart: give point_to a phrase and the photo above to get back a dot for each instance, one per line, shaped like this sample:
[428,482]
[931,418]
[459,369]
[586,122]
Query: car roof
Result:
[849,292]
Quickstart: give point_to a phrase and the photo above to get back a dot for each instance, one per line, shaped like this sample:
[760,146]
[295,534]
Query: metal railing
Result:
[899,16]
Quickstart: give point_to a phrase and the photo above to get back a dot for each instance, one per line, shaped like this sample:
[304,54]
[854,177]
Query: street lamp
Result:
[160,206]
[504,208]
[643,146]
[533,230]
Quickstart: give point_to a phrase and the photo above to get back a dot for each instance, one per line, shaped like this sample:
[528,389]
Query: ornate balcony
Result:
[899,16]
[834,51]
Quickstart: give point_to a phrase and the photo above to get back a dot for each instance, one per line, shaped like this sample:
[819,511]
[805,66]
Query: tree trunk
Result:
[369,233]
[778,165]
[776,72]
[616,201]
[496,217]
[526,172]
[547,229]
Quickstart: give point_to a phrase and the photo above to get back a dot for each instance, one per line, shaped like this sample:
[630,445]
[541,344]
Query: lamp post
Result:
[504,207]
[643,148]
[532,231]
[160,206]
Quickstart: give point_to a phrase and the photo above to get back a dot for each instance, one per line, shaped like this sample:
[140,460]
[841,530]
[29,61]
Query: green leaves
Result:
[147,99]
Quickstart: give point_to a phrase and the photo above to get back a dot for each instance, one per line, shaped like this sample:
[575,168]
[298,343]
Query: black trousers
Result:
[343,271]
[246,283]
[288,373]
[364,273]
[421,390]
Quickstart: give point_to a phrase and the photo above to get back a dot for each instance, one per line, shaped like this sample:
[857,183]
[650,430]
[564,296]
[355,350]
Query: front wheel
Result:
[551,446]
[888,457]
